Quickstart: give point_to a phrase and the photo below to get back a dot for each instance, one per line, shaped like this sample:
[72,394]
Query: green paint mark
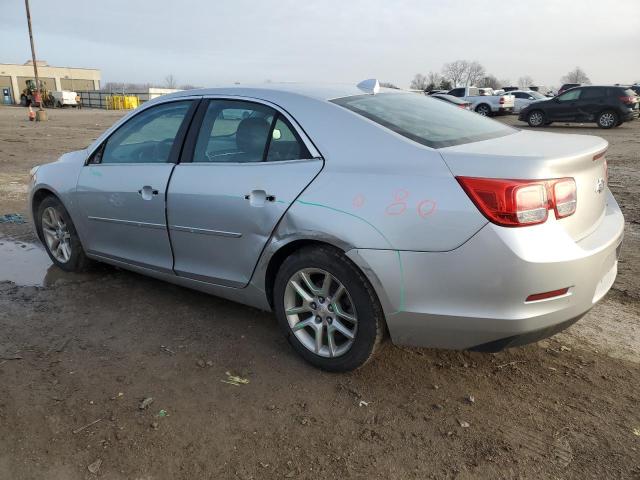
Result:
[401,281]
[402,290]
[95,172]
[350,214]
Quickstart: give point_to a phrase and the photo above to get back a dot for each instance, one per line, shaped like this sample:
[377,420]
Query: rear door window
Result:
[285,144]
[592,93]
[425,120]
[235,131]
[457,92]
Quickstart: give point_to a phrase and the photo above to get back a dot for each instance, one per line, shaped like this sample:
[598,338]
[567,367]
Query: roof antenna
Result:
[369,86]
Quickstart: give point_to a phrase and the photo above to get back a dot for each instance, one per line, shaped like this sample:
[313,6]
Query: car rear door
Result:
[243,164]
[592,102]
[121,190]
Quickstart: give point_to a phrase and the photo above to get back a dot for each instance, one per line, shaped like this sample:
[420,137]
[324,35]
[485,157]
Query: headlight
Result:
[32,172]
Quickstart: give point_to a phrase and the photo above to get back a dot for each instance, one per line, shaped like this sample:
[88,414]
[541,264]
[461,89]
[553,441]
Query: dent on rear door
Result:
[220,217]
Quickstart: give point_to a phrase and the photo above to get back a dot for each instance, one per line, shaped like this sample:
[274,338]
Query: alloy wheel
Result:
[607,119]
[320,312]
[56,235]
[536,119]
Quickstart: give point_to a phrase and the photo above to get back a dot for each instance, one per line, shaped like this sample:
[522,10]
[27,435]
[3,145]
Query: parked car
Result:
[567,86]
[485,105]
[608,106]
[524,98]
[454,100]
[64,98]
[350,211]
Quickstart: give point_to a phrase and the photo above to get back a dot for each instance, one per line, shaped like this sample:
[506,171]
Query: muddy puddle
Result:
[26,264]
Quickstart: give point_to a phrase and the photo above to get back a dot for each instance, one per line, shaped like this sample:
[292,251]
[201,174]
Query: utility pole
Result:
[40,114]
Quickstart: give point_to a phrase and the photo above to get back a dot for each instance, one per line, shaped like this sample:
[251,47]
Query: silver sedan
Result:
[352,212]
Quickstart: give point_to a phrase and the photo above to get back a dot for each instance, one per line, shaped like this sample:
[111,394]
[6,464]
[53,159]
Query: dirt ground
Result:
[78,353]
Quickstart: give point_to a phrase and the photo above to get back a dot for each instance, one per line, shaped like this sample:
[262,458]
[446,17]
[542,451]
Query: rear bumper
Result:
[474,296]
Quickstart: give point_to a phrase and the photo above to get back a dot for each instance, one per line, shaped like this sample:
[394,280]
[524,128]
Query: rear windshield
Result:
[425,120]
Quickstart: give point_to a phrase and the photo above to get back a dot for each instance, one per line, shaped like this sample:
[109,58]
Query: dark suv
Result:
[608,106]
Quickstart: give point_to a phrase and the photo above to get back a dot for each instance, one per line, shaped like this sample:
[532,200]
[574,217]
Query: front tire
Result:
[59,236]
[327,309]
[483,109]
[608,119]
[536,118]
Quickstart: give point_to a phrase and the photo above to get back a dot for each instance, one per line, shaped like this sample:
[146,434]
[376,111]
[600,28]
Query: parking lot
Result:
[79,353]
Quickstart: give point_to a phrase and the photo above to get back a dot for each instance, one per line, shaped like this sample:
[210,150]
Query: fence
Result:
[119,100]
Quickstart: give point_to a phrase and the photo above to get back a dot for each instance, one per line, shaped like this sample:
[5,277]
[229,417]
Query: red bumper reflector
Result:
[551,294]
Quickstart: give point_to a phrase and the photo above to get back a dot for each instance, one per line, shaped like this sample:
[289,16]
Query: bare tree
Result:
[525,82]
[475,72]
[445,84]
[170,81]
[419,82]
[576,75]
[455,72]
[490,81]
[434,79]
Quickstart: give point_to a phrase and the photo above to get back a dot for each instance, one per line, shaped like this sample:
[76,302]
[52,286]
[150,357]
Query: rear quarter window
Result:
[425,120]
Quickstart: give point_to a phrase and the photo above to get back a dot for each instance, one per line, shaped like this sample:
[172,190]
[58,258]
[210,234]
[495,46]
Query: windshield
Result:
[425,120]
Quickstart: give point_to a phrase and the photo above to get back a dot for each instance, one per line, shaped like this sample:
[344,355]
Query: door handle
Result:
[257,198]
[147,192]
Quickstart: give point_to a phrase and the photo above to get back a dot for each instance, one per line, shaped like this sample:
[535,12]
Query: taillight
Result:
[501,100]
[519,203]
[629,100]
[564,197]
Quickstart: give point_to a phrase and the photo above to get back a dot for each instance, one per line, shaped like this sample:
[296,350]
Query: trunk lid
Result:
[539,156]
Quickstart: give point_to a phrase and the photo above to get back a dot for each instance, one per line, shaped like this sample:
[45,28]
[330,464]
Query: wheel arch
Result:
[281,254]
[37,198]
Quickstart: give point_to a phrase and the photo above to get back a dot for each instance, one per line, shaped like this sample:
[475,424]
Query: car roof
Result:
[272,91]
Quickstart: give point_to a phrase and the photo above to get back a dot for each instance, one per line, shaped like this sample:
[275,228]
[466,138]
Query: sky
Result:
[217,42]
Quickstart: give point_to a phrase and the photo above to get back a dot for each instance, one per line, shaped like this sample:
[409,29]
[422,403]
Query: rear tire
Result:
[314,308]
[608,119]
[59,236]
[536,118]
[484,110]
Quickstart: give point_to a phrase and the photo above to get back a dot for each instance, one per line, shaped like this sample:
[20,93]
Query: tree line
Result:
[463,73]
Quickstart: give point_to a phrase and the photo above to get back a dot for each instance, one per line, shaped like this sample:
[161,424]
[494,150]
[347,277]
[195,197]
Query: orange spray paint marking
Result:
[399,206]
[426,208]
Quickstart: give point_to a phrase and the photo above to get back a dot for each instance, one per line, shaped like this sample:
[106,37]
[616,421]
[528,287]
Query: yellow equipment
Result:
[122,102]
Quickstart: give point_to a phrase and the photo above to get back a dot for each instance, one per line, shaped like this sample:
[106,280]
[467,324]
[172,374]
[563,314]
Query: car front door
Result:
[565,107]
[243,165]
[121,189]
